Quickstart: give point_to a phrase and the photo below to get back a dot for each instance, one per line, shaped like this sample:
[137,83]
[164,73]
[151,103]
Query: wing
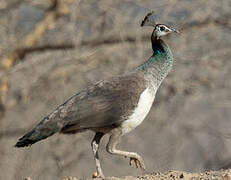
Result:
[105,103]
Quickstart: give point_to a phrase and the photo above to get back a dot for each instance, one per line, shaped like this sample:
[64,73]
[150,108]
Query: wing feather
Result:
[105,103]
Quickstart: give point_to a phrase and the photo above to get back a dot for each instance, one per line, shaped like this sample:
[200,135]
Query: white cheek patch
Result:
[162,33]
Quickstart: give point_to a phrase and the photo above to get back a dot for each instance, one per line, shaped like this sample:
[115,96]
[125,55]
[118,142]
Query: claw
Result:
[137,163]
[132,162]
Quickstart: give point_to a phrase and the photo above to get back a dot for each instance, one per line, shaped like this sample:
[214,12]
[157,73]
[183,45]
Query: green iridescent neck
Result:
[161,57]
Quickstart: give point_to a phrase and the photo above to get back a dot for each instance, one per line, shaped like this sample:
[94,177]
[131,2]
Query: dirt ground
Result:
[51,49]
[170,175]
[174,175]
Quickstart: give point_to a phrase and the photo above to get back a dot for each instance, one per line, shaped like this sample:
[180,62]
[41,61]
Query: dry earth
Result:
[51,49]
[170,175]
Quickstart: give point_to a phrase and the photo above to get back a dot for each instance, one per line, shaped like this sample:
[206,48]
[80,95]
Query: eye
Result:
[162,28]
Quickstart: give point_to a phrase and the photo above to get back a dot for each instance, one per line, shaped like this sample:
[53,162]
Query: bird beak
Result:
[175,30]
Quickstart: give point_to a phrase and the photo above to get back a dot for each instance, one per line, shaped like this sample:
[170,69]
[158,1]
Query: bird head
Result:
[162,30]
[159,29]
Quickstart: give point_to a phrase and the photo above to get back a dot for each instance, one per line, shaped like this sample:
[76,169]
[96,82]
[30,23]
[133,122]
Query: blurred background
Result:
[51,49]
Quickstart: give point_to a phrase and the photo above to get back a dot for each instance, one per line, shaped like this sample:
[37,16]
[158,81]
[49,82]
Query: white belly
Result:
[140,112]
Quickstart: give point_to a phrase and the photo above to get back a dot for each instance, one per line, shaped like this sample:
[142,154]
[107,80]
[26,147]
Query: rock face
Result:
[52,49]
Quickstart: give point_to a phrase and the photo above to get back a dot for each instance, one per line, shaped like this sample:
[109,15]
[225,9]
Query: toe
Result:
[131,162]
[137,164]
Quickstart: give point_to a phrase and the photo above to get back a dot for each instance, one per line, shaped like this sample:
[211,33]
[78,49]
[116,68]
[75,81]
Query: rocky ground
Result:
[51,49]
[170,175]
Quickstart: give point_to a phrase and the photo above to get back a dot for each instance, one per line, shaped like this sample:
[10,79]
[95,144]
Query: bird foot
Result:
[98,175]
[138,163]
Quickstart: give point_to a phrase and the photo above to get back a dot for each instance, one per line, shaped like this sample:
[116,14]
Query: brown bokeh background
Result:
[51,49]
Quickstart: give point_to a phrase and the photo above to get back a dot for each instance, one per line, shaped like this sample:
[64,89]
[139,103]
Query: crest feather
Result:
[149,20]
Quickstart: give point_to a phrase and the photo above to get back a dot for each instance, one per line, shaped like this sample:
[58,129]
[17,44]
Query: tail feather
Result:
[27,140]
[43,130]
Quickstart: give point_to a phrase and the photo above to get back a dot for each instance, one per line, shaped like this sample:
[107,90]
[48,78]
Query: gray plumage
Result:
[104,104]
[114,106]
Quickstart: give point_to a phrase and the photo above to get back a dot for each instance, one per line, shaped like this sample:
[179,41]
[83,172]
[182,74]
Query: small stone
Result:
[27,178]
[227,177]
[70,178]
[95,174]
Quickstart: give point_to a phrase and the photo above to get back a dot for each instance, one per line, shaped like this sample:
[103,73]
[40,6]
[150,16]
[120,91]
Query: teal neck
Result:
[157,67]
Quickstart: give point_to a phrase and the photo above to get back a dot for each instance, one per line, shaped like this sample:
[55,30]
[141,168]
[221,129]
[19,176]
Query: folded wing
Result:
[106,103]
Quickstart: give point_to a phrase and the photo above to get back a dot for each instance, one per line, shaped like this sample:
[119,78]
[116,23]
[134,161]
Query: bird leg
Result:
[135,159]
[95,146]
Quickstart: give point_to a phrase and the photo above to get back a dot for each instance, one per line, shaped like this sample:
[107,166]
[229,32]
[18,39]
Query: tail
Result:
[43,130]
[26,140]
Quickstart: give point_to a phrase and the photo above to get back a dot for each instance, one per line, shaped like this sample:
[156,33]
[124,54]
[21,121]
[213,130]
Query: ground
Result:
[170,175]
